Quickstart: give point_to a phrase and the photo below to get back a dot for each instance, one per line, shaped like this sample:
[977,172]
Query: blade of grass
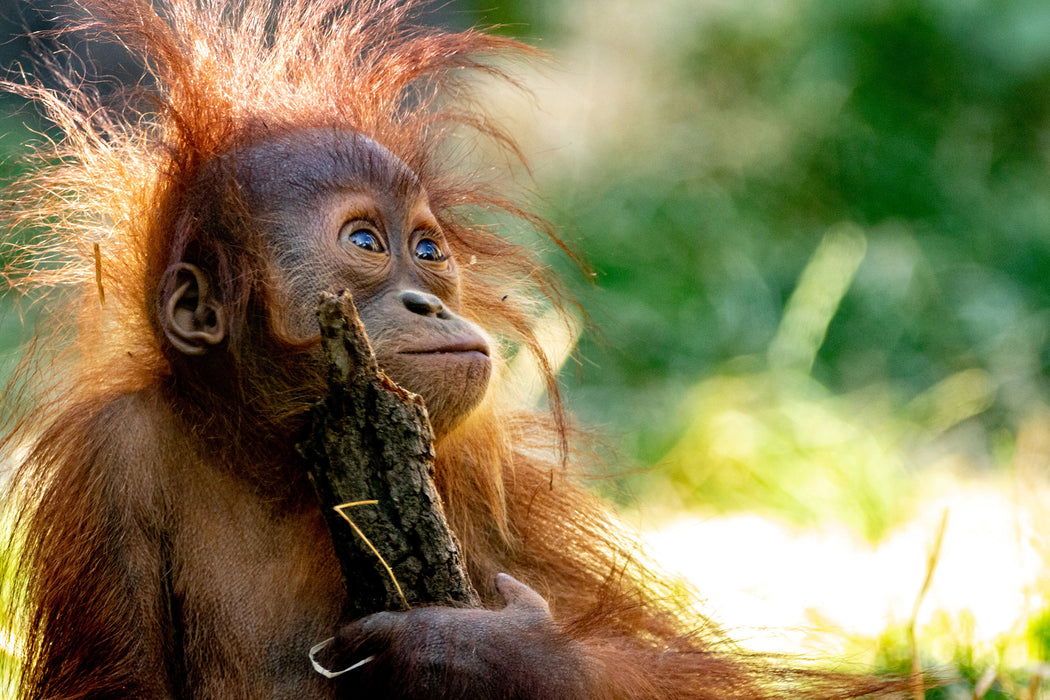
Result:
[918,689]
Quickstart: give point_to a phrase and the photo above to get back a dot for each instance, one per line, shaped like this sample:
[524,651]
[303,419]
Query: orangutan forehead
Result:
[305,163]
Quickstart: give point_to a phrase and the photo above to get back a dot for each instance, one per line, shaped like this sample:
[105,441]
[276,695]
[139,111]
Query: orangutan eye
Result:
[428,249]
[362,235]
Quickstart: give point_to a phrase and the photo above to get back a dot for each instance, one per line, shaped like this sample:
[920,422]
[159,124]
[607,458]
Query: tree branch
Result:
[370,455]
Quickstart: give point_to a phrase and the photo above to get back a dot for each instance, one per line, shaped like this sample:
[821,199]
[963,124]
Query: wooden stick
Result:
[370,455]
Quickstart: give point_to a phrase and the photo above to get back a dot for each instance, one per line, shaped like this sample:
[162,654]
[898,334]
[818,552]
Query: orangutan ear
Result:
[191,317]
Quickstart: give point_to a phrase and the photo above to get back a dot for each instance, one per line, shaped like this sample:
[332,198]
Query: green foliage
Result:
[971,667]
[15,322]
[1039,636]
[777,443]
[517,19]
[922,122]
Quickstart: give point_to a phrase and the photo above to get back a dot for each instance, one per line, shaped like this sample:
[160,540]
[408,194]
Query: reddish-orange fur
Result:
[96,566]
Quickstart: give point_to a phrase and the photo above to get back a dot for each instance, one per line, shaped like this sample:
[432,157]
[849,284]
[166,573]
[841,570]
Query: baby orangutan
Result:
[169,544]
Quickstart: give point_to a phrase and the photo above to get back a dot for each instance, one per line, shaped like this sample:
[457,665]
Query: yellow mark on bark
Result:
[344,516]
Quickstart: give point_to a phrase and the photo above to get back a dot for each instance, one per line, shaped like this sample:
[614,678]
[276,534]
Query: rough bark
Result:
[370,440]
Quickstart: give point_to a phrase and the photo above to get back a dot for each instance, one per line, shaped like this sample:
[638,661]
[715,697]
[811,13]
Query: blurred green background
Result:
[910,136]
[820,238]
[892,154]
[820,233]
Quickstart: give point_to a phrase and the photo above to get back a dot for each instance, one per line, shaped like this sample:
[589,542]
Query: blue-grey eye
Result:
[362,235]
[428,249]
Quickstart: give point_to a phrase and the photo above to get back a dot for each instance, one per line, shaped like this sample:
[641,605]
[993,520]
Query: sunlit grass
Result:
[825,587]
[808,560]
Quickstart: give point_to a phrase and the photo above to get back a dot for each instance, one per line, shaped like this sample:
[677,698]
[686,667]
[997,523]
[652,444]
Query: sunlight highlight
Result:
[781,588]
